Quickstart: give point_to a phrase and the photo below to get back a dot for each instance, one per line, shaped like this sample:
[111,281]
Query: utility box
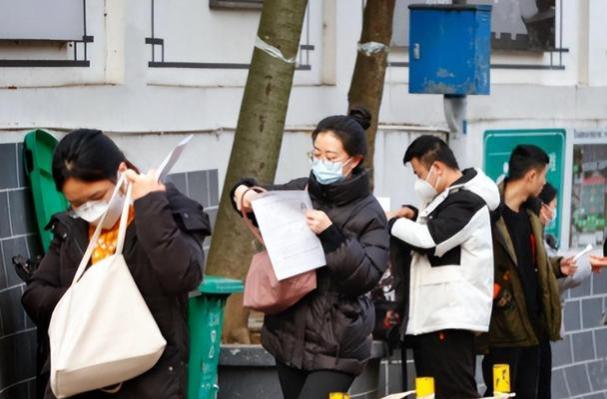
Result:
[449,49]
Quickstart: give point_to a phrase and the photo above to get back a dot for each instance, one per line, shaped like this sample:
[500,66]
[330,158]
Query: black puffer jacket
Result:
[163,248]
[331,327]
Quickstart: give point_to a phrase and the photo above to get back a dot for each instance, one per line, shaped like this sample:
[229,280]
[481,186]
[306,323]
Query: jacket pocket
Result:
[506,324]
[439,275]
[354,324]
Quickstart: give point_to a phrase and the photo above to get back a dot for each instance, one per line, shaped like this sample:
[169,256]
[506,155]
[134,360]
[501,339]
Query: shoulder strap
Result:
[121,230]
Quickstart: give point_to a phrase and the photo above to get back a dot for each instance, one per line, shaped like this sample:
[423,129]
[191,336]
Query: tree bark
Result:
[257,143]
[367,85]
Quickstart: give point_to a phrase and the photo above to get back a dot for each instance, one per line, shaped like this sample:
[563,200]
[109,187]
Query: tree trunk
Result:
[256,145]
[367,85]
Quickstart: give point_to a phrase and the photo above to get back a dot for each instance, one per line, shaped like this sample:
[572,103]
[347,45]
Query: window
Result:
[515,25]
[57,20]
[589,195]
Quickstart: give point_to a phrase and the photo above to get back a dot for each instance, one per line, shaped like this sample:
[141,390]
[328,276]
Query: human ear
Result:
[356,160]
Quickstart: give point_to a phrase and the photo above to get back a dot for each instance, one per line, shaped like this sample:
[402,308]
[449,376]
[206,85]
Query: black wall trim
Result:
[211,65]
[197,65]
[43,63]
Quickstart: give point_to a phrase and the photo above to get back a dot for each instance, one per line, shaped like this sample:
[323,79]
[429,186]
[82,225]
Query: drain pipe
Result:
[455,105]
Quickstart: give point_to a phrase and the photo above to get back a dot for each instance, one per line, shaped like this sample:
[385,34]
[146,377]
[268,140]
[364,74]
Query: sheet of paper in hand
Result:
[171,159]
[292,246]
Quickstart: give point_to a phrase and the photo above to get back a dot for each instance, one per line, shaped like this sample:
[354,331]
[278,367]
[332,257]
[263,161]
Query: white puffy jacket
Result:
[451,284]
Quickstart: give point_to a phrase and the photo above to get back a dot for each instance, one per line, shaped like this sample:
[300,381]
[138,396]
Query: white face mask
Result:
[93,211]
[424,190]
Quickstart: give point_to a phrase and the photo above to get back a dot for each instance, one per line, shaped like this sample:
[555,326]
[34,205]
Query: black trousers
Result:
[301,384]
[524,369]
[545,373]
[449,357]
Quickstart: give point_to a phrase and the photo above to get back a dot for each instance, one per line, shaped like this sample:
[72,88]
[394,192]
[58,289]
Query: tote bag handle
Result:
[121,229]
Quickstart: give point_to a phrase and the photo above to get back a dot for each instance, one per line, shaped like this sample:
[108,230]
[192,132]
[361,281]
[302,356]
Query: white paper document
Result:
[292,246]
[171,159]
[583,252]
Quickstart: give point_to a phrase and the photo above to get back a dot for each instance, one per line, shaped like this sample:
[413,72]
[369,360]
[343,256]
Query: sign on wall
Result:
[498,144]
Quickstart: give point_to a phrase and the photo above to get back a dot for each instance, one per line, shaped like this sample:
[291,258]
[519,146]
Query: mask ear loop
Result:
[430,172]
[344,165]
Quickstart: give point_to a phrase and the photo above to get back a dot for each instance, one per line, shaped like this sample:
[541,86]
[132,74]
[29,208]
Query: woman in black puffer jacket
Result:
[163,249]
[323,342]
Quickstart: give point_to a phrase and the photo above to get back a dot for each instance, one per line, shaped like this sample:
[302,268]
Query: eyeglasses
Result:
[311,157]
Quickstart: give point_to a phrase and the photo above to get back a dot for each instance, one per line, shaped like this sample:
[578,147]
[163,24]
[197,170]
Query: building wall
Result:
[17,237]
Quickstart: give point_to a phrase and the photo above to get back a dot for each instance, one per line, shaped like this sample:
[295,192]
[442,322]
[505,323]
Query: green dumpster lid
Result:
[220,285]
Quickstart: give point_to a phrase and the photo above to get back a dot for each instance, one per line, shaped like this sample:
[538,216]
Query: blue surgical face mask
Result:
[327,172]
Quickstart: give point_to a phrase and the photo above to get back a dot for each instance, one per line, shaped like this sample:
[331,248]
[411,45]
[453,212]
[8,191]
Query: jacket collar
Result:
[467,175]
[341,193]
[503,236]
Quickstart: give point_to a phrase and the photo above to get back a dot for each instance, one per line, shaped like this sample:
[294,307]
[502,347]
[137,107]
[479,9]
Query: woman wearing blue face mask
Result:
[322,342]
[163,248]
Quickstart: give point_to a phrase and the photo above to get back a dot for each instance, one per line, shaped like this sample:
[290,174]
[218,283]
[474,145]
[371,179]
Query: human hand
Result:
[318,221]
[143,183]
[597,262]
[568,266]
[403,212]
[243,204]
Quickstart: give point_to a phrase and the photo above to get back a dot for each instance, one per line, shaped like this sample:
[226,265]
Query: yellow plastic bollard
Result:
[339,395]
[501,378]
[424,387]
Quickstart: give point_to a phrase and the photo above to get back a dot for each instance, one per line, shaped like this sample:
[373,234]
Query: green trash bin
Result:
[38,148]
[205,319]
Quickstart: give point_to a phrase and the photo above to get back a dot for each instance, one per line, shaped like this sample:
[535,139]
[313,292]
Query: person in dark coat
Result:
[323,342]
[163,248]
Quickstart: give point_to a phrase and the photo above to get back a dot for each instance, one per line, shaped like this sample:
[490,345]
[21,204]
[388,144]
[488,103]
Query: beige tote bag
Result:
[102,332]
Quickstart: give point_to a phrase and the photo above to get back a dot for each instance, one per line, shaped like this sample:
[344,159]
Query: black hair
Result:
[429,149]
[548,193]
[349,129]
[87,155]
[525,157]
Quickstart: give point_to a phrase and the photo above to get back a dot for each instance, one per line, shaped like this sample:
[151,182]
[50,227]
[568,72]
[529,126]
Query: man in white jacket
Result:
[451,265]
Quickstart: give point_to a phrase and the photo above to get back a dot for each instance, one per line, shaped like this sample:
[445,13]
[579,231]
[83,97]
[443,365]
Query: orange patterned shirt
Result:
[106,245]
